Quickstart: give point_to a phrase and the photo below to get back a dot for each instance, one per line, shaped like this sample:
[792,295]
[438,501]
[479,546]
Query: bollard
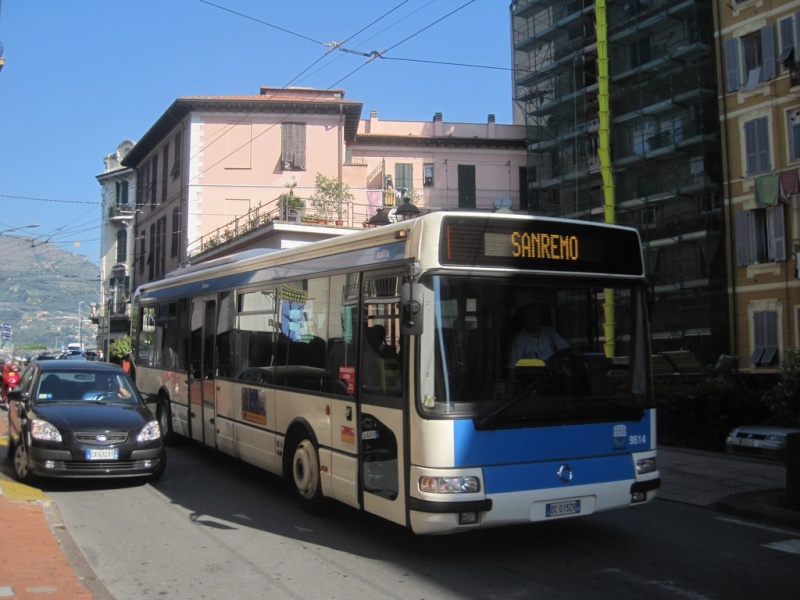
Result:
[793,470]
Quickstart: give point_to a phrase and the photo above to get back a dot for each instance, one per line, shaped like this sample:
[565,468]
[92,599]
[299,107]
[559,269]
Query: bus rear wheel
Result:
[305,475]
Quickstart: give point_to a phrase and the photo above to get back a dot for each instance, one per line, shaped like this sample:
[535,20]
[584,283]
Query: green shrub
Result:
[698,415]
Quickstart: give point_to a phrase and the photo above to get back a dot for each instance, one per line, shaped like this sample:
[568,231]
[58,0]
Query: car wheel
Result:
[22,465]
[305,475]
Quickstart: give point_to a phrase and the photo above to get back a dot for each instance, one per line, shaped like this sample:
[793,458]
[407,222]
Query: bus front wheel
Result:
[305,475]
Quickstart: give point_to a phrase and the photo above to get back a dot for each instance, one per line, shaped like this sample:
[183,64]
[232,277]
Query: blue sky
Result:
[81,76]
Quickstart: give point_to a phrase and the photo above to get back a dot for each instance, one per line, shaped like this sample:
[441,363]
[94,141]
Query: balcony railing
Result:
[118,212]
[352,214]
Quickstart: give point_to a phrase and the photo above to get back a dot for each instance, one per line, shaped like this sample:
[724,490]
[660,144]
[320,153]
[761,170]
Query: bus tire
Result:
[304,474]
[164,417]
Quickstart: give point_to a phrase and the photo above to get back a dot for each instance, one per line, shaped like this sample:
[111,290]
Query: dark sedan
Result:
[82,419]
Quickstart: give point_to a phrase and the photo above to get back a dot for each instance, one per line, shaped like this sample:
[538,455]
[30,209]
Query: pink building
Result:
[211,171]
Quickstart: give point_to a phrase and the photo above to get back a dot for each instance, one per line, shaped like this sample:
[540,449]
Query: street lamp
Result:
[80,326]
[406,210]
[31,226]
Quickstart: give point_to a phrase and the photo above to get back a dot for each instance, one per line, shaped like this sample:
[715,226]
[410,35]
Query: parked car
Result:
[767,439]
[82,419]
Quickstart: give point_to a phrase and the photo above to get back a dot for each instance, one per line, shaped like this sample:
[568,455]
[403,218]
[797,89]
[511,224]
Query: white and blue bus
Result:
[378,369]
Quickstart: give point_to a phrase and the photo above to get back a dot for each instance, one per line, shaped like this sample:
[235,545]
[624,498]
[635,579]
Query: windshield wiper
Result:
[487,419]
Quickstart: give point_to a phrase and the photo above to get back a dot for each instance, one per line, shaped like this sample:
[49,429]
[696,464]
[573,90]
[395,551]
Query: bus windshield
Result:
[517,351]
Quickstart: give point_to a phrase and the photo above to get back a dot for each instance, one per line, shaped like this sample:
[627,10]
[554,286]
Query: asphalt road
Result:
[214,527]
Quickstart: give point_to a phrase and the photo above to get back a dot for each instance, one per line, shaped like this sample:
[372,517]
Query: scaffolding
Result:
[663,143]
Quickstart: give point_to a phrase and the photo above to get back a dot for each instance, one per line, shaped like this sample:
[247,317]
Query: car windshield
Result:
[84,386]
[517,351]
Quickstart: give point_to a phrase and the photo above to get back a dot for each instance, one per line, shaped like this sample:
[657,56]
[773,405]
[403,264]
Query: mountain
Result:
[41,291]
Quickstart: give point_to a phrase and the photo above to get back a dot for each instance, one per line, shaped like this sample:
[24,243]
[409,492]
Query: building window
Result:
[293,146]
[122,245]
[176,232]
[757,62]
[765,338]
[122,192]
[760,236]
[151,256]
[176,159]
[756,147]
[403,178]
[153,179]
[141,254]
[164,173]
[793,121]
[160,257]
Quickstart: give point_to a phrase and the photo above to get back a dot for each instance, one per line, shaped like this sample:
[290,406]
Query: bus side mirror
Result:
[411,309]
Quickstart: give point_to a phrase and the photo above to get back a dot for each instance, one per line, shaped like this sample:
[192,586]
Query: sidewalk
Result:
[41,561]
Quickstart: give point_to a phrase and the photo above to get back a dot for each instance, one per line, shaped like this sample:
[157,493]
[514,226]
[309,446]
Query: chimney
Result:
[373,121]
[490,127]
[437,125]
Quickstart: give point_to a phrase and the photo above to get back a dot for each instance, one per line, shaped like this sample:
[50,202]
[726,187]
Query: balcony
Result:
[120,213]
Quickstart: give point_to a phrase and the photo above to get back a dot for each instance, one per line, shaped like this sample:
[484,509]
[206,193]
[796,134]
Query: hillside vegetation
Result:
[41,287]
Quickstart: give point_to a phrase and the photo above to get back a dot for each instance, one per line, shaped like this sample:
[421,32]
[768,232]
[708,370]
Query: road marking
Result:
[758,526]
[790,546]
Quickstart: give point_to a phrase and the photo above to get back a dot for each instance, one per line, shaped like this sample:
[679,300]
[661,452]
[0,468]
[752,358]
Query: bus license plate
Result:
[102,454]
[558,509]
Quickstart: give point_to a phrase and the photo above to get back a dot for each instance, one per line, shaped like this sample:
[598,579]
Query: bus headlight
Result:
[645,465]
[449,485]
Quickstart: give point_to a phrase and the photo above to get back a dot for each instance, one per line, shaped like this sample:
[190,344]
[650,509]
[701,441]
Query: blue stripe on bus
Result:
[357,258]
[544,475]
[533,444]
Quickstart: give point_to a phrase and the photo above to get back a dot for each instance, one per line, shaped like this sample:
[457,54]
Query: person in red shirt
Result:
[10,381]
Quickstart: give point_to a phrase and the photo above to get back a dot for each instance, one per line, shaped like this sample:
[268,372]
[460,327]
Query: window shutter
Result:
[797,36]
[742,219]
[287,142]
[732,64]
[777,233]
[300,146]
[768,52]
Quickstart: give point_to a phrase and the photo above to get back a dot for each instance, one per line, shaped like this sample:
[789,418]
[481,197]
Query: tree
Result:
[121,347]
[329,196]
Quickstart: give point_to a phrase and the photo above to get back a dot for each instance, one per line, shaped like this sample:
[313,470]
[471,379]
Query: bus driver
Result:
[534,340]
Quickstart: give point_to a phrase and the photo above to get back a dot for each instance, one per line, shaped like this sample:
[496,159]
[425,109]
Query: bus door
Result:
[202,369]
[381,395]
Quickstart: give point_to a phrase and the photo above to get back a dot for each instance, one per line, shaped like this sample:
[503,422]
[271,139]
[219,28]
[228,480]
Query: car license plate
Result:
[748,442]
[102,454]
[558,509]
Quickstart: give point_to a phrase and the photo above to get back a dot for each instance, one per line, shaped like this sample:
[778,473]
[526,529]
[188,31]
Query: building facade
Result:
[759,106]
[214,172]
[619,103]
[118,190]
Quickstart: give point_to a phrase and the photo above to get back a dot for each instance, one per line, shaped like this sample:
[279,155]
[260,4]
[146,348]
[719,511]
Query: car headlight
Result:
[151,431]
[44,431]
[449,485]
[774,437]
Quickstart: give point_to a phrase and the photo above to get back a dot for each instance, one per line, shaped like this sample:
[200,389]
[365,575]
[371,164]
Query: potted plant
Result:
[120,349]
[329,198]
[290,205]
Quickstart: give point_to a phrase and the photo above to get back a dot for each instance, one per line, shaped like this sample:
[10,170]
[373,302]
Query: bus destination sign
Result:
[540,244]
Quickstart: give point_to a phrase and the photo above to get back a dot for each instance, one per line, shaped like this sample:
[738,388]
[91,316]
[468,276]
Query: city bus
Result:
[376,369]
